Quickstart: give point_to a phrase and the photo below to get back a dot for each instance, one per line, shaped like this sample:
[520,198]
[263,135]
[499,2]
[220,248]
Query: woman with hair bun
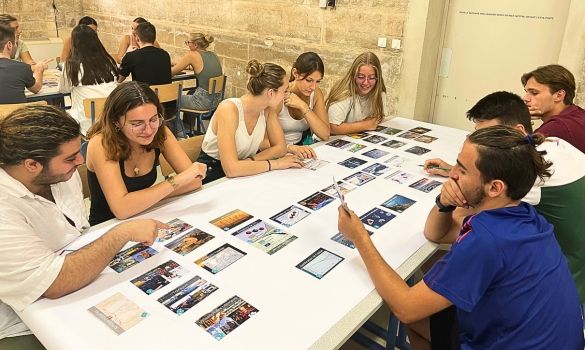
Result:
[233,144]
[205,65]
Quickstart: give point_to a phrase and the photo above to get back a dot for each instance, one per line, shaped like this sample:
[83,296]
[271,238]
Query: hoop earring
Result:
[116,128]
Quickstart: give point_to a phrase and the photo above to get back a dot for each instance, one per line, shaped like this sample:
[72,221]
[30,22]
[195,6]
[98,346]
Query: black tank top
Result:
[100,210]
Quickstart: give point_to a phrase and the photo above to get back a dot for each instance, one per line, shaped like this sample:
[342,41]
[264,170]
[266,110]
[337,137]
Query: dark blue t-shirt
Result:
[510,283]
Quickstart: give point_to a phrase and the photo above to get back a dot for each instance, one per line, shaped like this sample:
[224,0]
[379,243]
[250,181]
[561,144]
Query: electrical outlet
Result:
[382,42]
[396,44]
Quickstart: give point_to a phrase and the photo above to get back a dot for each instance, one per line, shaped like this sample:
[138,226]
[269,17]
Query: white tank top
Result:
[246,145]
[293,128]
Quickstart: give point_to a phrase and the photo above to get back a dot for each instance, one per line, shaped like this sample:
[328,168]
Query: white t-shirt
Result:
[294,128]
[246,145]
[32,229]
[353,110]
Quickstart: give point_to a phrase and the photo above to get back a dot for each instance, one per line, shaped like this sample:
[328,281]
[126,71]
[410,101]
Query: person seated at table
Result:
[236,130]
[90,72]
[42,208]
[205,65]
[303,112]
[22,52]
[128,42]
[505,273]
[16,76]
[122,156]
[358,101]
[66,50]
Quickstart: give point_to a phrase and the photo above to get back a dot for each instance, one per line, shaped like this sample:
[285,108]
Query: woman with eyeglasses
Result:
[66,50]
[233,144]
[358,101]
[122,156]
[205,65]
[128,42]
[303,112]
[89,72]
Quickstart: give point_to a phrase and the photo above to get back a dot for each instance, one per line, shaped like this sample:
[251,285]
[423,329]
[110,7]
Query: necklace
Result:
[136,171]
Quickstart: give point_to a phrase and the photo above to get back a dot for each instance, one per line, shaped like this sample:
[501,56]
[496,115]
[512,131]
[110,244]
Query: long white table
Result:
[296,310]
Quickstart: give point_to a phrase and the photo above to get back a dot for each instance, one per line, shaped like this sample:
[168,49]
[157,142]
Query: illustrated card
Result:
[230,220]
[401,177]
[290,216]
[344,188]
[398,161]
[355,147]
[359,178]
[341,240]
[220,258]
[375,139]
[358,135]
[265,237]
[409,135]
[379,128]
[177,226]
[189,242]
[226,317]
[159,277]
[339,143]
[420,130]
[375,153]
[316,201]
[131,256]
[418,150]
[398,203]
[320,263]
[376,169]
[314,164]
[426,185]
[391,131]
[353,162]
[425,138]
[377,218]
[118,313]
[394,144]
[187,295]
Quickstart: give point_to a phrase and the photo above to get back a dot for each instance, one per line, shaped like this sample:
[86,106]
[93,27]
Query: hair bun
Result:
[209,38]
[255,68]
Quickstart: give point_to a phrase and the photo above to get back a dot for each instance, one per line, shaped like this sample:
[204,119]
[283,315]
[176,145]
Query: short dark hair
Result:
[35,132]
[504,153]
[139,20]
[508,108]
[146,32]
[556,77]
[6,34]
[88,21]
[307,63]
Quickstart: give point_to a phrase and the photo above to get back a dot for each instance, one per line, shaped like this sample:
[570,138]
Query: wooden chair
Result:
[216,86]
[93,107]
[169,93]
[191,146]
[6,109]
[82,170]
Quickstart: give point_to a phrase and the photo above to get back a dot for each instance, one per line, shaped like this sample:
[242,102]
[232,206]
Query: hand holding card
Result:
[340,195]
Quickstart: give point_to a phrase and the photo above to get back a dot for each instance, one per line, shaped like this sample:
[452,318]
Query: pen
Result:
[435,167]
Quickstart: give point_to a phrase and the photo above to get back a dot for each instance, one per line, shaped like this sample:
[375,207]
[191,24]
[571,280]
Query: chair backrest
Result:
[191,146]
[217,85]
[168,92]
[6,109]
[82,169]
[93,107]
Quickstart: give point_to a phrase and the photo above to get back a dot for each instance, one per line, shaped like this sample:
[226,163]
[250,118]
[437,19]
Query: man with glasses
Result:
[42,211]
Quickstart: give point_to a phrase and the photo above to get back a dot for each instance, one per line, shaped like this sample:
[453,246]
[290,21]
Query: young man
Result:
[22,53]
[16,76]
[148,64]
[42,211]
[549,96]
[505,273]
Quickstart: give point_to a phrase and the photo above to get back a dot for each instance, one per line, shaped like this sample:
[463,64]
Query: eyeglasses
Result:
[362,78]
[187,42]
[139,126]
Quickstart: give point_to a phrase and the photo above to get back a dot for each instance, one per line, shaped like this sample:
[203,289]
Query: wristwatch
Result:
[171,179]
[444,208]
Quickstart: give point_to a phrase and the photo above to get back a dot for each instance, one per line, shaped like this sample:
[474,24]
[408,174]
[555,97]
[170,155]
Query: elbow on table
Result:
[121,214]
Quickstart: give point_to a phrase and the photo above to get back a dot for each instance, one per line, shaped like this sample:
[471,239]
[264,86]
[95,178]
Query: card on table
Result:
[220,258]
[376,169]
[340,239]
[379,128]
[290,216]
[359,178]
[375,153]
[377,218]
[131,256]
[394,144]
[398,161]
[409,135]
[314,164]
[264,236]
[358,135]
[226,317]
[353,162]
[344,188]
[320,263]
[177,226]
[420,130]
[398,203]
[118,313]
[189,242]
[230,220]
[355,147]
[316,201]
[375,139]
[159,277]
[426,138]
[391,131]
[339,143]
[187,295]
[401,177]
[418,150]
[425,185]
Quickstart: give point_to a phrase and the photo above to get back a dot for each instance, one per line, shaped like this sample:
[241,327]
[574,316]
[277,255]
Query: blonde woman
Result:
[205,64]
[358,101]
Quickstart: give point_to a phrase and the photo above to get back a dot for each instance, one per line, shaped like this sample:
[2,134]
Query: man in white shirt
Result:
[42,211]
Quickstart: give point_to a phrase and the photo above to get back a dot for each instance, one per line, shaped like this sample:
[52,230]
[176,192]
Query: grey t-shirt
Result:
[14,77]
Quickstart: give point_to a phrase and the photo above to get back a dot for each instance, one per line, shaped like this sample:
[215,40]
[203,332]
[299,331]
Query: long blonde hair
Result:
[347,87]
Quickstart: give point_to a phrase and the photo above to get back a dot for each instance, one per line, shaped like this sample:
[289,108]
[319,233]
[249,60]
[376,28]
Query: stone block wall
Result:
[37,18]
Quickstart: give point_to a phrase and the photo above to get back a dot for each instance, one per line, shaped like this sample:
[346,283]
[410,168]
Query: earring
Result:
[117,128]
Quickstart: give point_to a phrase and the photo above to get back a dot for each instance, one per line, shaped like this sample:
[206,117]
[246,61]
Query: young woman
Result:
[90,72]
[128,43]
[303,112]
[66,50]
[236,131]
[205,65]
[123,152]
[358,101]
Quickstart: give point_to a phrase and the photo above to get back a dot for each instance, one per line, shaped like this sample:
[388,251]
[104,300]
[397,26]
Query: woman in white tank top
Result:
[235,144]
[303,112]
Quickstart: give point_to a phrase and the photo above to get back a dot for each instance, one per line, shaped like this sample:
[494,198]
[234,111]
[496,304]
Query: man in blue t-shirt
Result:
[505,274]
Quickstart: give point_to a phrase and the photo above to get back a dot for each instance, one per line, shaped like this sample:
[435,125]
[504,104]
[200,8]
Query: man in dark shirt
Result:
[148,64]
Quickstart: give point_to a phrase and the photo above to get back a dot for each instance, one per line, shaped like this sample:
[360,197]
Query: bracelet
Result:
[171,180]
[269,165]
[442,207]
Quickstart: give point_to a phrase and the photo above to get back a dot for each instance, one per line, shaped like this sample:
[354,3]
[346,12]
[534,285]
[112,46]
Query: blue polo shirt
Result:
[510,283]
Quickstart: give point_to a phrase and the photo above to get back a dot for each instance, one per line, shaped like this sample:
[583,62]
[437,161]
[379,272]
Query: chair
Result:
[93,107]
[169,93]
[191,146]
[6,109]
[216,86]
[82,170]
